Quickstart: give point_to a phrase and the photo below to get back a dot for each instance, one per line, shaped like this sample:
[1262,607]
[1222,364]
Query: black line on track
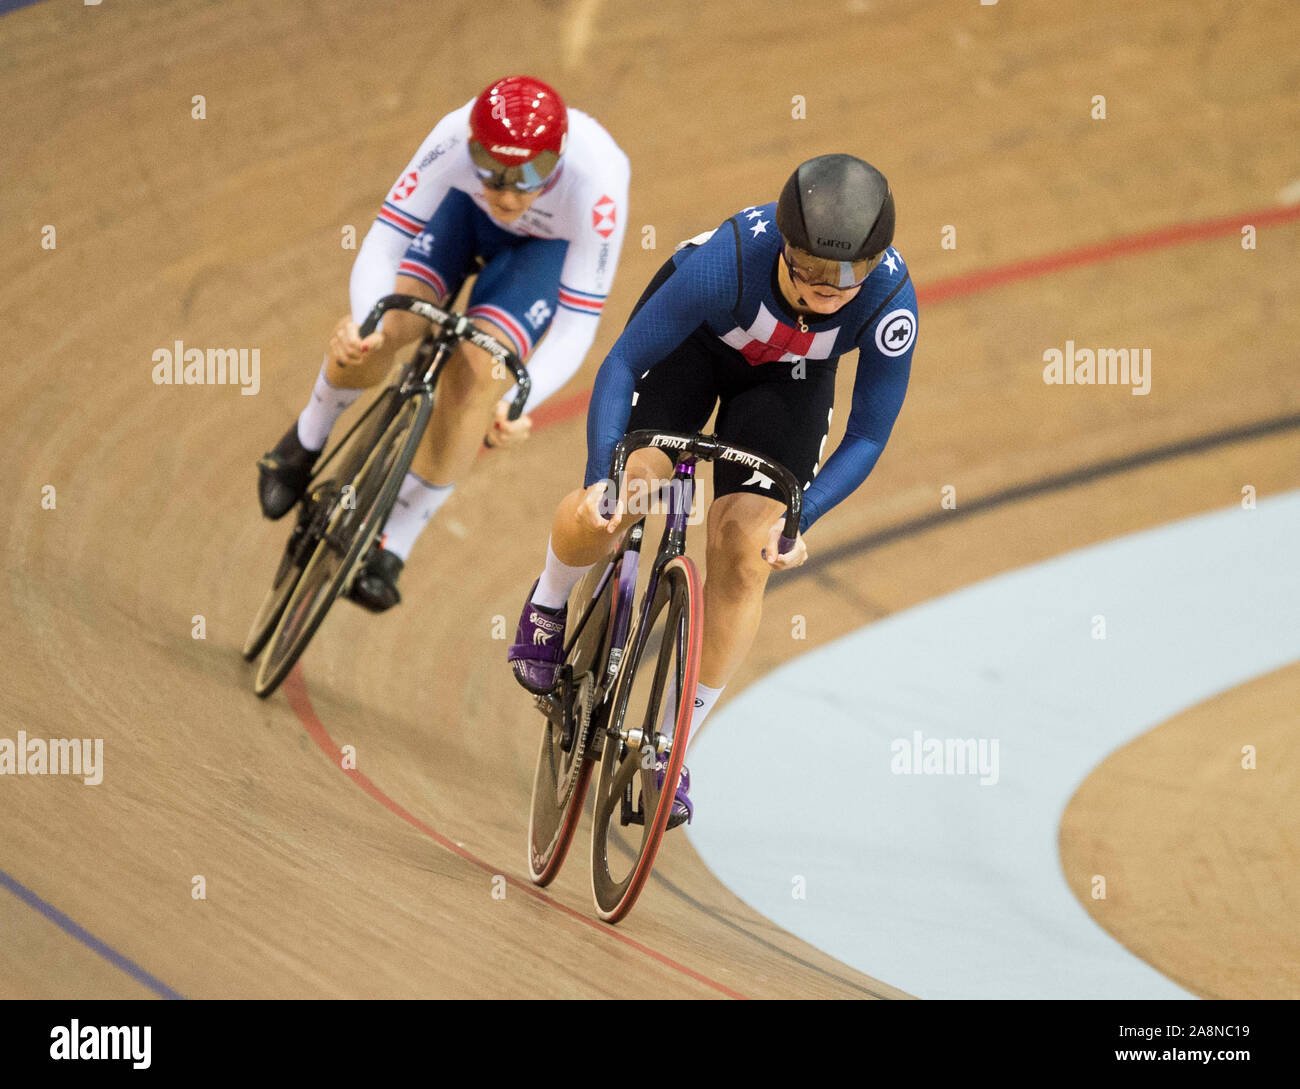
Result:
[1056,482]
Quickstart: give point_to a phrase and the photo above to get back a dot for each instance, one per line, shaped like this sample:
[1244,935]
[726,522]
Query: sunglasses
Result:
[529,177]
[848,270]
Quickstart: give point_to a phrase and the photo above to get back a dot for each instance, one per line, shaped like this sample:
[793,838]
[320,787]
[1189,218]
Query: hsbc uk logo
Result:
[603,216]
[405,186]
[895,332]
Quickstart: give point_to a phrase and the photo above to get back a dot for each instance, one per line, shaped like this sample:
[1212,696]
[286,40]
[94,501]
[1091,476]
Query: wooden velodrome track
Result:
[225,232]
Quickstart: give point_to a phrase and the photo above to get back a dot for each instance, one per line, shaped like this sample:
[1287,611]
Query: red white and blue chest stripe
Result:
[770,340]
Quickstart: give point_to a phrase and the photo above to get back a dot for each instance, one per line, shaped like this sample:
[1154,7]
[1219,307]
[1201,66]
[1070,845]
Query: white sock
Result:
[327,404]
[557,581]
[417,502]
[705,698]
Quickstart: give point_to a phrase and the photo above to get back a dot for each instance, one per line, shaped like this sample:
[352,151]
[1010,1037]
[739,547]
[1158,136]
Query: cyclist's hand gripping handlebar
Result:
[460,327]
[708,448]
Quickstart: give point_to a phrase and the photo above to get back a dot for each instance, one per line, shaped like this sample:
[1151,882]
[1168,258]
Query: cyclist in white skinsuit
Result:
[531,196]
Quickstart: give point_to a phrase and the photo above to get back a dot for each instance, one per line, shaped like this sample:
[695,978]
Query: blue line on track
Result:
[14,5]
[85,936]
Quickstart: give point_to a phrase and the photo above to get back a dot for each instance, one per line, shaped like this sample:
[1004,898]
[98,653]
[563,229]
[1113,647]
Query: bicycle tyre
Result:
[348,535]
[678,605]
[273,601]
[560,780]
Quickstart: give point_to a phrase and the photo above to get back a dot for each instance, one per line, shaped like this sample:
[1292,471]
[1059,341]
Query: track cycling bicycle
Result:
[346,505]
[607,703]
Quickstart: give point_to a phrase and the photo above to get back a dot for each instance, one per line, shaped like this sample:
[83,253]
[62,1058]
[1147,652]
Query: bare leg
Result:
[578,544]
[462,412]
[737,576]
[738,529]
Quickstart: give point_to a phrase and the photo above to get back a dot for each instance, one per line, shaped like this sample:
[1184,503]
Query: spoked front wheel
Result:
[292,559]
[631,811]
[356,517]
[564,762]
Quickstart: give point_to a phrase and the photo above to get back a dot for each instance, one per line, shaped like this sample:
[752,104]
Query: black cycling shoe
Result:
[283,474]
[375,586]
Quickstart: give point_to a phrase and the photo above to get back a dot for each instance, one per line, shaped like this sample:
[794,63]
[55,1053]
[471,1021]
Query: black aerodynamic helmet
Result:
[838,207]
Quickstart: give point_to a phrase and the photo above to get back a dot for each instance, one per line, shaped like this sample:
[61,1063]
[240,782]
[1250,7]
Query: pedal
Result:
[294,549]
[638,739]
[322,497]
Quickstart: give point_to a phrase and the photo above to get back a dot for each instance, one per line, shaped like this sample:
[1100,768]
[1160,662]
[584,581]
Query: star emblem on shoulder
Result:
[759,228]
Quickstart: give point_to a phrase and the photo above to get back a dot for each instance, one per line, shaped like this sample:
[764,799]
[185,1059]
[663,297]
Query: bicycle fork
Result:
[647,737]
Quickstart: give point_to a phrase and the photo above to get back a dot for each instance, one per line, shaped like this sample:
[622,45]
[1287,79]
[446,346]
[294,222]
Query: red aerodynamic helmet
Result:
[517,132]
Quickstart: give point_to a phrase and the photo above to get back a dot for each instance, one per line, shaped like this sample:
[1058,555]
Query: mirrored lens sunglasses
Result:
[848,278]
[529,177]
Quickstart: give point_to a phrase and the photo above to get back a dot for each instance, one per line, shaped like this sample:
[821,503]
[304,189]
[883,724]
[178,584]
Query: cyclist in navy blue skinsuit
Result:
[751,317]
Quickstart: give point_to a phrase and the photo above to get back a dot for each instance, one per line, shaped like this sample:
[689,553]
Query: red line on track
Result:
[1160,238]
[295,688]
[563,409]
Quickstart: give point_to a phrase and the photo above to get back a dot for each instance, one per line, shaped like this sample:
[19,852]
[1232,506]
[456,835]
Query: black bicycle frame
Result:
[432,353]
